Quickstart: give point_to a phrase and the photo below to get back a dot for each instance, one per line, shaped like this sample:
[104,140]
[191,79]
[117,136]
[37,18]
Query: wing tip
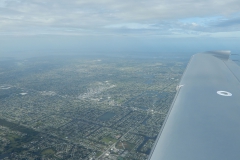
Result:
[222,54]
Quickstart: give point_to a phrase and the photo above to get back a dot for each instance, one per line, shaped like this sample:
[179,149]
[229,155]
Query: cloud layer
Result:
[147,17]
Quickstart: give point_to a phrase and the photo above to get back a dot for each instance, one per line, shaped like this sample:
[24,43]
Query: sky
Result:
[117,26]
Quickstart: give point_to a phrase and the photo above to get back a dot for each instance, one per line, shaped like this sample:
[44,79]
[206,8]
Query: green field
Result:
[108,140]
[48,152]
[125,145]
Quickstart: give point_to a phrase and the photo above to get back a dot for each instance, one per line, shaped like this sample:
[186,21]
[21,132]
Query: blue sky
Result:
[130,25]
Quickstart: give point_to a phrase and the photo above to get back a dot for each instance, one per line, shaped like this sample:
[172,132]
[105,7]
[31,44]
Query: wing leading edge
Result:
[204,119]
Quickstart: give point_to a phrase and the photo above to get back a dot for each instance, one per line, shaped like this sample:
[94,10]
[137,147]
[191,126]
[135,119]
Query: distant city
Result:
[84,107]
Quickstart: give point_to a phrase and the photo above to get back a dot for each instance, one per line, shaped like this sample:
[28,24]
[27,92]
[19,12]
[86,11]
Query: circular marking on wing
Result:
[178,87]
[224,93]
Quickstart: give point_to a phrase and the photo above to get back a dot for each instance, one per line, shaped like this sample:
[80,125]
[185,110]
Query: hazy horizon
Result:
[32,46]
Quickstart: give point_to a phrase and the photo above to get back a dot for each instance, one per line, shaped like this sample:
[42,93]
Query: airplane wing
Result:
[204,120]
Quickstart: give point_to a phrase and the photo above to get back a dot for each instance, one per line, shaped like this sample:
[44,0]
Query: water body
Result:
[4,96]
[145,120]
[107,116]
[31,134]
[143,107]
[146,138]
[150,79]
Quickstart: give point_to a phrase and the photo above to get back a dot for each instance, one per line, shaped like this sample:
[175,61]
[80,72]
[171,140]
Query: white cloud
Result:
[2,3]
[131,26]
[103,16]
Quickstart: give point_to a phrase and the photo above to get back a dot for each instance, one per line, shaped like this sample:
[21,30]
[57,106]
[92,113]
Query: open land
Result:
[84,107]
